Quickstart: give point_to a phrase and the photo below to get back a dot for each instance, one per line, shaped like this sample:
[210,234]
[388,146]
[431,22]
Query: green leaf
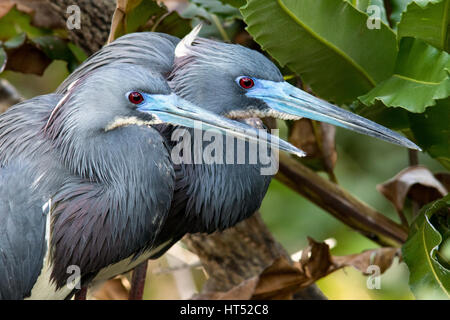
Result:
[16,41]
[3,59]
[432,131]
[173,25]
[362,5]
[218,8]
[428,278]
[420,78]
[142,13]
[16,22]
[218,14]
[79,54]
[427,20]
[398,7]
[393,118]
[234,3]
[307,36]
[56,49]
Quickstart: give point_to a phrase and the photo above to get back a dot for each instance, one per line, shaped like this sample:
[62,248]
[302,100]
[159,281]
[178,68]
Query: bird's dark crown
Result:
[205,73]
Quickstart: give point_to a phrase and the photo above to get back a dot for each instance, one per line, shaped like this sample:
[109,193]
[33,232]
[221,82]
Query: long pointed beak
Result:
[177,111]
[289,102]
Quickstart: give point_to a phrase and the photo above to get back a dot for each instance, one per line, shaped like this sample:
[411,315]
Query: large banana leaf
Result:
[327,42]
[234,3]
[398,7]
[431,130]
[428,277]
[427,20]
[421,77]
[363,5]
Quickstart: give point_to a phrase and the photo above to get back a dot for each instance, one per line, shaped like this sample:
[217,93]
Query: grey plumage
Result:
[105,205]
[206,76]
[206,197]
[22,225]
[150,50]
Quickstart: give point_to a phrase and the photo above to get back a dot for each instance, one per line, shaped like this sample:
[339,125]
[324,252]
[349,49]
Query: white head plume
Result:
[184,46]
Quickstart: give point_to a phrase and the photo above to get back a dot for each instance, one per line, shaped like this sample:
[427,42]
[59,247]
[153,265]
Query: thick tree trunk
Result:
[95,19]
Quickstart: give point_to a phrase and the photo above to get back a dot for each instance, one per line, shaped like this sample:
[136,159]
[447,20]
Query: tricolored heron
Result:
[232,81]
[86,182]
[228,80]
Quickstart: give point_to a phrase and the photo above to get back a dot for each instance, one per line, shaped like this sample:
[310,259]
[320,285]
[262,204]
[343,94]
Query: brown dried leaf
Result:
[27,59]
[283,278]
[328,146]
[317,140]
[5,7]
[123,7]
[444,178]
[417,183]
[381,257]
[280,281]
[302,136]
[316,260]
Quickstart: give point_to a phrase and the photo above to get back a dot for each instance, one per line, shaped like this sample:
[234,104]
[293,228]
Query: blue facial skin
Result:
[177,111]
[287,100]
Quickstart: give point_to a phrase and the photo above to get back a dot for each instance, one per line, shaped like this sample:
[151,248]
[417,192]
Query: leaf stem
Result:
[413,158]
[219,27]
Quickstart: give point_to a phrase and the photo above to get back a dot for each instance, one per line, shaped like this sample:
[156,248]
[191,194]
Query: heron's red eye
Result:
[135,97]
[246,82]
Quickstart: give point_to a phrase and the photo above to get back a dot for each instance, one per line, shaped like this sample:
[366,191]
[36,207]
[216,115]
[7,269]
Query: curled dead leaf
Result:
[118,23]
[381,257]
[27,59]
[280,281]
[318,141]
[417,183]
[283,278]
[444,178]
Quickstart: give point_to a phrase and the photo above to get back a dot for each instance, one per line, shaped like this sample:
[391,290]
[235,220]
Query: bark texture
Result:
[96,16]
[238,254]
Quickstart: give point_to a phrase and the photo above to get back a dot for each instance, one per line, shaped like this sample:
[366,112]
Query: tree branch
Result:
[8,95]
[339,203]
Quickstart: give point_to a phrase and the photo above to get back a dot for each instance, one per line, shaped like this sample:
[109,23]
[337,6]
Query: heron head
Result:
[121,95]
[238,82]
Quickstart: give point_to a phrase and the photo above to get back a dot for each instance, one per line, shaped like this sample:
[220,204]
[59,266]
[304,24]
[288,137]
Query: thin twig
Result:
[219,27]
[413,158]
[8,95]
[138,282]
